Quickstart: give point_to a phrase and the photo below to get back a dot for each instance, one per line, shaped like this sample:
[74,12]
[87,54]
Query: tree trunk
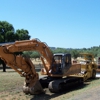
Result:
[4,66]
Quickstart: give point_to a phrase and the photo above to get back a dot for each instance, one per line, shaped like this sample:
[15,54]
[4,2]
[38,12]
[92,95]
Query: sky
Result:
[59,23]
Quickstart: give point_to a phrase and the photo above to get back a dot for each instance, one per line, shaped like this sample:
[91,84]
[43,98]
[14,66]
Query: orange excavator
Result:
[57,67]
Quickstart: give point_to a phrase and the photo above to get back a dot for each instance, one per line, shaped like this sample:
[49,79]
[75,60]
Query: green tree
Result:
[6,32]
[31,54]
[6,35]
[22,34]
[35,55]
[60,50]
[74,53]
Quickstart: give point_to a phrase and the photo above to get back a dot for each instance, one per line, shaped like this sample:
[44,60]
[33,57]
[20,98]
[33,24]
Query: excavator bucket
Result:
[36,89]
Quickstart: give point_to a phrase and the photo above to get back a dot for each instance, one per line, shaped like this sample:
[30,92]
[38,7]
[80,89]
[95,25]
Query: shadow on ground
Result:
[45,96]
[49,96]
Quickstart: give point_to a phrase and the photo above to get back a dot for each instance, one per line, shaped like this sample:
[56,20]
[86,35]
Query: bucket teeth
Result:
[36,89]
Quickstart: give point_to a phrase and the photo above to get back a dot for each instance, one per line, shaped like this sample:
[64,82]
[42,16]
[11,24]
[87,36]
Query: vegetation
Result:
[31,54]
[8,34]
[74,52]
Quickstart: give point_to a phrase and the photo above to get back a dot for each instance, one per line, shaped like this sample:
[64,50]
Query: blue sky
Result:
[59,23]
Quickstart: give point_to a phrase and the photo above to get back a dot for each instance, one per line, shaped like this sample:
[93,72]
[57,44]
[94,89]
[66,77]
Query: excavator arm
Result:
[23,65]
[36,45]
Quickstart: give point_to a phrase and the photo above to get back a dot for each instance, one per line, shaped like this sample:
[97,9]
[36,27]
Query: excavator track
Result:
[63,84]
[55,86]
[60,84]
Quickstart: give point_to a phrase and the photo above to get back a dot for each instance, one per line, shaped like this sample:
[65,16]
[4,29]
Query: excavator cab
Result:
[61,64]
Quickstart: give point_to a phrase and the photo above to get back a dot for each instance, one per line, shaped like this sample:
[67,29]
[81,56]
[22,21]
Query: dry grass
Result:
[11,89]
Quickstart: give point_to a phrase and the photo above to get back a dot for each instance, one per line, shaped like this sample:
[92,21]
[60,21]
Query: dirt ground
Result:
[92,93]
[11,89]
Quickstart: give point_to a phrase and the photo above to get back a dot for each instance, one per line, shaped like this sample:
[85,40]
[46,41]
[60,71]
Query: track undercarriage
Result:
[59,84]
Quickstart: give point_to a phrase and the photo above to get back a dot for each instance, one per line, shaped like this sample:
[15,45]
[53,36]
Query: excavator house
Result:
[57,67]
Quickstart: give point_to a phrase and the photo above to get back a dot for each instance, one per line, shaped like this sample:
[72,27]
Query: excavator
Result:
[57,67]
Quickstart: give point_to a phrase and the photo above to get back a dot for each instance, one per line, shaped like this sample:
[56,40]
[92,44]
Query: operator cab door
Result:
[57,65]
[66,63]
